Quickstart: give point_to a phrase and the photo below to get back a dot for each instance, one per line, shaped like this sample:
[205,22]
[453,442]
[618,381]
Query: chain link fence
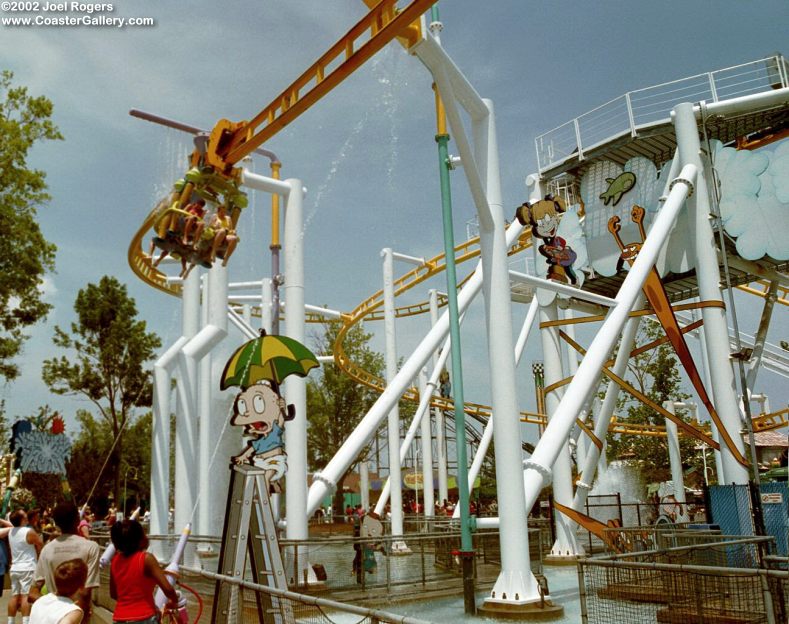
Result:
[725,580]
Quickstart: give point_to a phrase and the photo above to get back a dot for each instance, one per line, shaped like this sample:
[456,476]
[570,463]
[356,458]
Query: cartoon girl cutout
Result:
[544,216]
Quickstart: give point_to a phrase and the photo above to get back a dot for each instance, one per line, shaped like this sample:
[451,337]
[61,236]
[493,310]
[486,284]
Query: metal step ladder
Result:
[250,528]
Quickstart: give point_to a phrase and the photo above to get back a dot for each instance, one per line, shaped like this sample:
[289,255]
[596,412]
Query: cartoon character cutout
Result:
[262,412]
[544,216]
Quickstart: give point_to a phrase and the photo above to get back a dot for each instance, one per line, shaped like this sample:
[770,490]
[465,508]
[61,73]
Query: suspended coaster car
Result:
[171,217]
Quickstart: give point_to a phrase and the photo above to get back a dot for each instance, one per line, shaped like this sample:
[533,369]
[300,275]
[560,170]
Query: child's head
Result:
[128,537]
[70,577]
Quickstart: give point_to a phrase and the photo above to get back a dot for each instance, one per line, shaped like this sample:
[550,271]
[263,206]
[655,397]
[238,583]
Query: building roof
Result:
[772,439]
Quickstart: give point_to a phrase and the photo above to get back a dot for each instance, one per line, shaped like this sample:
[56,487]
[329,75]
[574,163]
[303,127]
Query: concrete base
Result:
[561,560]
[399,548]
[537,611]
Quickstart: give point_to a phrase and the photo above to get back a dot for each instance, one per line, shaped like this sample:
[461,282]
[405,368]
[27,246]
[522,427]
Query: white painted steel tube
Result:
[562,288]
[743,104]
[441,445]
[160,442]
[538,467]
[410,434]
[266,305]
[675,461]
[409,259]
[523,336]
[295,387]
[708,277]
[264,183]
[186,440]
[433,56]
[393,428]
[566,544]
[325,481]
[427,449]
[201,348]
[516,577]
[603,417]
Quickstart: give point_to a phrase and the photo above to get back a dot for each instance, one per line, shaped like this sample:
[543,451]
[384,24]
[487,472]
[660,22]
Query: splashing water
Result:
[385,69]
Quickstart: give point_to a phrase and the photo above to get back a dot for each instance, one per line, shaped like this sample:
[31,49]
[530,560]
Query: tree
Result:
[335,402]
[92,446]
[25,254]
[108,365]
[656,374]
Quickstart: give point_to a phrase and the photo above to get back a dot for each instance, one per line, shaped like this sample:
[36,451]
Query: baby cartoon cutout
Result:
[262,412]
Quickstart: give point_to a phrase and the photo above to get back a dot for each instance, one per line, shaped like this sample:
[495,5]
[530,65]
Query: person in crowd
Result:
[134,573]
[67,546]
[222,226]
[60,606]
[25,544]
[83,528]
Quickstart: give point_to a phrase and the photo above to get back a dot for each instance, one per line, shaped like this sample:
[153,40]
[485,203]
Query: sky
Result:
[366,152]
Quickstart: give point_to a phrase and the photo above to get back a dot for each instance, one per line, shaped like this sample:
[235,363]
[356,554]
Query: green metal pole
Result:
[466,522]
[466,546]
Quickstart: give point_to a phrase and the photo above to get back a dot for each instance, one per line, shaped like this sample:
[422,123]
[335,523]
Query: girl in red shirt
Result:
[134,573]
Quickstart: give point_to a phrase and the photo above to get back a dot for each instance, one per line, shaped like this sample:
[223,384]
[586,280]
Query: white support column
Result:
[516,584]
[393,429]
[186,433]
[675,460]
[566,548]
[211,422]
[708,276]
[206,435]
[441,443]
[265,305]
[595,455]
[325,481]
[294,387]
[427,451]
[162,392]
[537,471]
[720,473]
[364,484]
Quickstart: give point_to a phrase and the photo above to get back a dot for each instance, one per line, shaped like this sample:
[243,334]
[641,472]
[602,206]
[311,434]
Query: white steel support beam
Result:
[566,544]
[441,444]
[537,471]
[325,481]
[708,276]
[393,429]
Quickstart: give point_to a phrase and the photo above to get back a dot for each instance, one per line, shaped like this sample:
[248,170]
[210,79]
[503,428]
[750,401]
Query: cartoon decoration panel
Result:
[754,205]
[258,367]
[559,246]
[609,190]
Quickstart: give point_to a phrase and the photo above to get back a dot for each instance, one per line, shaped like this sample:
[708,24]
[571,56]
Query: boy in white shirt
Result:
[59,607]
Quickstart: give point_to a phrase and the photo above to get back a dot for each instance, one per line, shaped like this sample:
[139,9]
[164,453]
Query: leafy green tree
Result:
[5,429]
[656,373]
[110,349]
[92,446]
[25,254]
[335,402]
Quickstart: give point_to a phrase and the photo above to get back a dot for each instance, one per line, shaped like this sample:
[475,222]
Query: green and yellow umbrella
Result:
[270,358]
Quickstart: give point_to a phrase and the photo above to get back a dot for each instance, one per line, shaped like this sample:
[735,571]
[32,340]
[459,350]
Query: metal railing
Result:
[637,110]
[697,583]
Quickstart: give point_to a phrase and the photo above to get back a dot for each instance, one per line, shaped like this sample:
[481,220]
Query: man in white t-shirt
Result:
[25,545]
[64,548]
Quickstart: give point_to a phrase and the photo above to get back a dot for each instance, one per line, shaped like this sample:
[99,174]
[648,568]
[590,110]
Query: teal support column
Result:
[466,522]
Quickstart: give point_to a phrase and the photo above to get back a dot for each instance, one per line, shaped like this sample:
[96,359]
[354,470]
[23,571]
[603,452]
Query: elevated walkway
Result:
[638,123]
